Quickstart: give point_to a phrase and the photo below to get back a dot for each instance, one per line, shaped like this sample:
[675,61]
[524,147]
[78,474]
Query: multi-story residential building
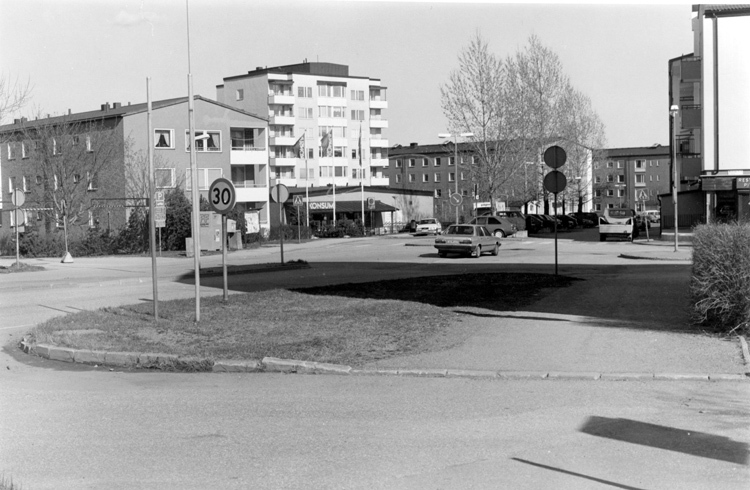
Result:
[305,102]
[710,92]
[230,142]
[631,177]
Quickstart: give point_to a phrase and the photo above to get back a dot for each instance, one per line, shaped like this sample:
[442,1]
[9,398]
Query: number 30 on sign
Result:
[222,196]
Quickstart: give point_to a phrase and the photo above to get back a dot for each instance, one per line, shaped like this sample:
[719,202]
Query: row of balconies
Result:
[375,103]
[285,120]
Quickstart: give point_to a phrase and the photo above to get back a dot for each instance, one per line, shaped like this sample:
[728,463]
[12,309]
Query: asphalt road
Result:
[64,426]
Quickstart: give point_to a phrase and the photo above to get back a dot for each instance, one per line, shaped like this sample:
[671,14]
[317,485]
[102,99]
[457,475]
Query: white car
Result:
[429,226]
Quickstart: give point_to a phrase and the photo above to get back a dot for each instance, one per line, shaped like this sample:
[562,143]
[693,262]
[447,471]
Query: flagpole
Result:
[307,182]
[333,159]
[361,180]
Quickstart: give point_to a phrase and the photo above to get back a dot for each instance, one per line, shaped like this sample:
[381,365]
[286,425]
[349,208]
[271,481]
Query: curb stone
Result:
[291,366]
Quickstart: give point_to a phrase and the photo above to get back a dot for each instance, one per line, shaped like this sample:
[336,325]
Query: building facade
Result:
[631,178]
[709,99]
[310,105]
[230,143]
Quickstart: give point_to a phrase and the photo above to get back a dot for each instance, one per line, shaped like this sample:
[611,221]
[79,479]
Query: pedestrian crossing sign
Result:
[642,195]
[298,201]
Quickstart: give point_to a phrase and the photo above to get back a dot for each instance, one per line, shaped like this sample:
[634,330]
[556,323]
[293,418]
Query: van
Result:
[652,215]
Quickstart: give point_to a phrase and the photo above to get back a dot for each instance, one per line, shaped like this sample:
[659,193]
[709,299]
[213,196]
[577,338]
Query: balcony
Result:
[378,143]
[283,140]
[251,192]
[283,161]
[282,120]
[690,117]
[249,156]
[376,103]
[379,162]
[379,181]
[378,123]
[281,99]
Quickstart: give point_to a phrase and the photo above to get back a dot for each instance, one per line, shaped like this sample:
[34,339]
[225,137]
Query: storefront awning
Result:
[348,207]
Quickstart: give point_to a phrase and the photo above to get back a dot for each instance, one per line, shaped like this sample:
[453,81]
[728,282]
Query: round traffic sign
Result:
[456,199]
[555,157]
[279,193]
[18,198]
[555,182]
[222,196]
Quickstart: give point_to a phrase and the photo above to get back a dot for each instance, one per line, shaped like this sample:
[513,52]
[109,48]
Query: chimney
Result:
[105,107]
[70,111]
[116,105]
[413,145]
[16,121]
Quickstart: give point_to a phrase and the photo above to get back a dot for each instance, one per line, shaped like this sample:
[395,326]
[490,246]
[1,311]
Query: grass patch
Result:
[351,324]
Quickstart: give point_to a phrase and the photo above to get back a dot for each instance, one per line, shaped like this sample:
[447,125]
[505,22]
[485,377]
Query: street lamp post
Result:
[455,152]
[673,111]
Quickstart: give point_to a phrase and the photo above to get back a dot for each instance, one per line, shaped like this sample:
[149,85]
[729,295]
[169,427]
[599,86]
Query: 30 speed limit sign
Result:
[221,195]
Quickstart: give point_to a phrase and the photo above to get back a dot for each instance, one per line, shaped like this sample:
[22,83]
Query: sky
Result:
[79,54]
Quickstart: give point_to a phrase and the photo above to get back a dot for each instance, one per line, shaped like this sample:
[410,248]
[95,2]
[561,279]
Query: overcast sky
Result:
[79,54]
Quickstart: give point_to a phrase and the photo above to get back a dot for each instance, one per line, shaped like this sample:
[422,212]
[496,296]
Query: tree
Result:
[14,94]
[65,159]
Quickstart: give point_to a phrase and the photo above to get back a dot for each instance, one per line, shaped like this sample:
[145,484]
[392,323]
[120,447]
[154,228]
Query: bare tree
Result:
[14,94]
[476,100]
[136,172]
[64,161]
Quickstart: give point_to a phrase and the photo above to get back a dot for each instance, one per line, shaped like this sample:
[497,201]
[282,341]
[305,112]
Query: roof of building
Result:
[723,9]
[639,151]
[108,111]
[316,68]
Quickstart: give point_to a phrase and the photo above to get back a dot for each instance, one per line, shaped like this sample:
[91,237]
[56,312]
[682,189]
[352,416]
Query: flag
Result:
[299,147]
[325,144]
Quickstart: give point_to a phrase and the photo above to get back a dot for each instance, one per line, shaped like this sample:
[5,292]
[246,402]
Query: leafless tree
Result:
[136,172]
[14,94]
[64,161]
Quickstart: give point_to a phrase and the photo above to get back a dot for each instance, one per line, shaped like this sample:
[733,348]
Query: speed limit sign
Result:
[221,195]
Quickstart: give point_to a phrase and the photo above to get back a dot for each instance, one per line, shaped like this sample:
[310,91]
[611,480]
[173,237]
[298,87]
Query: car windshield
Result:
[426,221]
[460,230]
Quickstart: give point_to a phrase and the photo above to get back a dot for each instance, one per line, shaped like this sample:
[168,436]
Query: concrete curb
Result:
[171,362]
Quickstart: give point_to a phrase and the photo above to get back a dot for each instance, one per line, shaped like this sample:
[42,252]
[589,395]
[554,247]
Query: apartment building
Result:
[709,92]
[631,178]
[229,142]
[309,106]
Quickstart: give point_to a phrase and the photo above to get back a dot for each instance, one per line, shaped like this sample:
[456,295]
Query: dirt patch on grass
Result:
[20,267]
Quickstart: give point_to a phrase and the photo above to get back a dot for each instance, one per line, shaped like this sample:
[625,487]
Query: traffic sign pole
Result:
[224,255]
[222,198]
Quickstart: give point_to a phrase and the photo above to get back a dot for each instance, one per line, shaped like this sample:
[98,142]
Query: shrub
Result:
[720,283]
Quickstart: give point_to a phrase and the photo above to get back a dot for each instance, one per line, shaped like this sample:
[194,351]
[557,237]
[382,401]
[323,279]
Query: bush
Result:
[720,283]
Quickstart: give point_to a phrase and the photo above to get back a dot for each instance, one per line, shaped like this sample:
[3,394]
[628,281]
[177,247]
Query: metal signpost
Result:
[298,204]
[555,181]
[18,198]
[280,194]
[222,198]
[643,197]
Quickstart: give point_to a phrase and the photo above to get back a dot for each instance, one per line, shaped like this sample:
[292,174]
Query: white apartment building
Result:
[305,102]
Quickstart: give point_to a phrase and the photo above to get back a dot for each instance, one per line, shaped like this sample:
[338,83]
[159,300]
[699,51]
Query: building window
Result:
[657,163]
[597,207]
[437,177]
[164,138]
[451,177]
[412,162]
[657,177]
[610,164]
[24,150]
[398,178]
[412,178]
[611,206]
[619,163]
[305,92]
[93,181]
[451,161]
[242,138]
[620,192]
[204,140]
[463,176]
[38,180]
[425,162]
[610,192]
[358,95]
[325,90]
[640,179]
[11,151]
[76,178]
[474,160]
[464,192]
[239,94]
[598,193]
[305,112]
[358,115]
[399,163]
[621,178]
[164,178]
[438,193]
[610,178]
[598,179]
[639,164]
[437,161]
[425,178]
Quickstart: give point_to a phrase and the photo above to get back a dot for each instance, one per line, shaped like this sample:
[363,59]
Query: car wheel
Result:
[499,233]
[442,255]
[602,238]
[496,250]
[478,251]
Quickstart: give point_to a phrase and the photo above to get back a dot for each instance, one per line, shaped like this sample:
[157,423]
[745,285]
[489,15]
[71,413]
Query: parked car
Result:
[587,220]
[429,225]
[569,222]
[496,225]
[534,223]
[653,215]
[515,217]
[473,240]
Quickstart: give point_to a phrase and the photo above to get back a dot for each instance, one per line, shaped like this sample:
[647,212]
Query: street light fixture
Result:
[673,111]
[455,161]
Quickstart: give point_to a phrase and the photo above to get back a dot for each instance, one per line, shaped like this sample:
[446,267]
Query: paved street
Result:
[66,426]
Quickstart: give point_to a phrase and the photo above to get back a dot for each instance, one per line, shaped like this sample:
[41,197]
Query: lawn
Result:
[350,324]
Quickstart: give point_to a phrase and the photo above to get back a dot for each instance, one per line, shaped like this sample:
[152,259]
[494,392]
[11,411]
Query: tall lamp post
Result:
[673,111]
[455,152]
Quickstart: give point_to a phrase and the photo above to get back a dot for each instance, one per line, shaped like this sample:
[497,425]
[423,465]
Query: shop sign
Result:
[718,184]
[743,182]
[317,206]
